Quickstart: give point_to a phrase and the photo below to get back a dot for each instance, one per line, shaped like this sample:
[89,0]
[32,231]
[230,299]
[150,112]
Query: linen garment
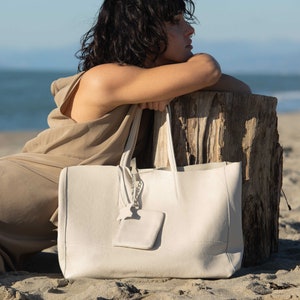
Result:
[29,180]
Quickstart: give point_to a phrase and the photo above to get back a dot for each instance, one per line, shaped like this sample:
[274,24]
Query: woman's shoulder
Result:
[108,73]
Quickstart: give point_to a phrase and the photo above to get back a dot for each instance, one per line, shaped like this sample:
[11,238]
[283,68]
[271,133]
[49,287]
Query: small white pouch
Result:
[139,231]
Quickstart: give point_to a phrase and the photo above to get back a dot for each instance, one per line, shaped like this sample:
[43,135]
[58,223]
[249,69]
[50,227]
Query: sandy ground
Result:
[278,278]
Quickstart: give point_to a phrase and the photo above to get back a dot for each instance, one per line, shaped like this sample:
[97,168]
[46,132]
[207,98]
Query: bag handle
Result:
[130,183]
[171,154]
[132,138]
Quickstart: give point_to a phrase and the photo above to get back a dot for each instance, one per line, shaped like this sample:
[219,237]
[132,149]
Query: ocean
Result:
[26,100]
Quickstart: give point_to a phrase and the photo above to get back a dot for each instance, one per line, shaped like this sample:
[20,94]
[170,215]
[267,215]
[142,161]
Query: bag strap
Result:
[131,185]
[171,155]
[132,138]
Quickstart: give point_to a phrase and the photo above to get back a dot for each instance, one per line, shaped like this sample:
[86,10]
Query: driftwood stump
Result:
[215,126]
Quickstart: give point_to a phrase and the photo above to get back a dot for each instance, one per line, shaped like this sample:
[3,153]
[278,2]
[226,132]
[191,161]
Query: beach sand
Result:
[277,278]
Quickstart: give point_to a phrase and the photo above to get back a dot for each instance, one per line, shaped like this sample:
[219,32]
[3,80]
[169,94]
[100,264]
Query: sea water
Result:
[26,100]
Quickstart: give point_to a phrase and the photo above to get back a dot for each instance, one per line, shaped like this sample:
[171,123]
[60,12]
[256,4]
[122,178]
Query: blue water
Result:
[285,87]
[26,100]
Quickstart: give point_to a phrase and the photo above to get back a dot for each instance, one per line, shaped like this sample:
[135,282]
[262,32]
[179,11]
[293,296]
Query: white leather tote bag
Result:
[119,221]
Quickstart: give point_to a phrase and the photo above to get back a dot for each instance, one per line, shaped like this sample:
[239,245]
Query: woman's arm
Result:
[227,83]
[105,87]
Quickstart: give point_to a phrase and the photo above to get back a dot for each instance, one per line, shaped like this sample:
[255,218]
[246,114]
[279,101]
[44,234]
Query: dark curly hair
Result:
[129,31]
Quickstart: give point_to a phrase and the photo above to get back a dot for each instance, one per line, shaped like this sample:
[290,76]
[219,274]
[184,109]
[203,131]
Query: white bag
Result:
[118,221]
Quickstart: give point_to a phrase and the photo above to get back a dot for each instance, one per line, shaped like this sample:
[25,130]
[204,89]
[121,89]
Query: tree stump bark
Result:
[215,126]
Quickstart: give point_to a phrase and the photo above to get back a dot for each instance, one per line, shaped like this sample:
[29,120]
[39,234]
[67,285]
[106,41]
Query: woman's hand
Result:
[158,105]
[227,83]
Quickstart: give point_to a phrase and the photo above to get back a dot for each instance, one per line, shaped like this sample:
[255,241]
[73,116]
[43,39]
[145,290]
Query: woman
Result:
[138,52]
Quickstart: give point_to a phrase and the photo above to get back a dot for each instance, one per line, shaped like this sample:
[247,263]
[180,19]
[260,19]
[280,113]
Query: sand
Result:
[277,278]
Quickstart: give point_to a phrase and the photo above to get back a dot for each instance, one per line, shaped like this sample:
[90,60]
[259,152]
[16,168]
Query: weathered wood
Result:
[214,126]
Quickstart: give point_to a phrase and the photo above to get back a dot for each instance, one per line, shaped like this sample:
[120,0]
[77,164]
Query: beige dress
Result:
[29,180]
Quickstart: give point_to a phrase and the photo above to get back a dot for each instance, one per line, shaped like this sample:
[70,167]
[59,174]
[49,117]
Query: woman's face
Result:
[179,42]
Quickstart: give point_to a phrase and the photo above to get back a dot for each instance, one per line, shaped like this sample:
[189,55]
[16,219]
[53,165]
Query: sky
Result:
[35,25]
[253,20]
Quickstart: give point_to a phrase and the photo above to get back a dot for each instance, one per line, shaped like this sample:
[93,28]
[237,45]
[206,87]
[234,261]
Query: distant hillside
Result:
[261,57]
[48,59]
[234,56]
